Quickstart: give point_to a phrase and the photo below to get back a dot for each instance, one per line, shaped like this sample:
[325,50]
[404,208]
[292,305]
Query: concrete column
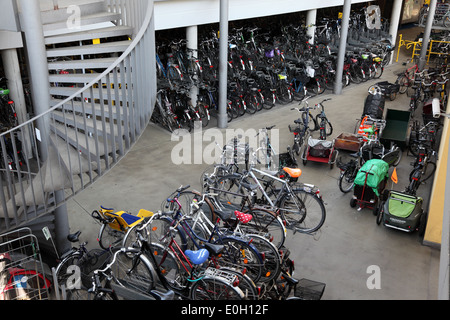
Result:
[426,35]
[222,121]
[37,59]
[192,38]
[342,46]
[40,88]
[12,73]
[311,17]
[395,21]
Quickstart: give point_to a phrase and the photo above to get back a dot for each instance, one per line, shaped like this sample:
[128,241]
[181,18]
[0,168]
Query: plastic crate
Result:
[309,289]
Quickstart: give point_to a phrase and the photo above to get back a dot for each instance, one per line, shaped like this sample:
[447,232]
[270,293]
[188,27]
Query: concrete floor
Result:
[346,249]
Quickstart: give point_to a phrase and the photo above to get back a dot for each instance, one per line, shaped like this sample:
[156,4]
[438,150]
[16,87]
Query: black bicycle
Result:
[325,127]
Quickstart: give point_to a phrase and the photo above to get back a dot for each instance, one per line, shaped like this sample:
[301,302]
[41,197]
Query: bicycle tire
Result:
[136,273]
[267,224]
[429,172]
[204,114]
[446,21]
[308,214]
[325,123]
[214,289]
[239,254]
[65,271]
[312,123]
[246,284]
[346,180]
[169,266]
[272,259]
[109,238]
[251,105]
[378,71]
[403,81]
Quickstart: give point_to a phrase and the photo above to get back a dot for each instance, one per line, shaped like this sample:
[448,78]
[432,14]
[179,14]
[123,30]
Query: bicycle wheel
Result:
[135,273]
[378,71]
[325,124]
[346,180]
[303,211]
[169,266]
[109,238]
[246,284]
[312,123]
[271,260]
[403,81]
[447,21]
[204,114]
[267,224]
[216,288]
[239,254]
[68,272]
[251,104]
[429,171]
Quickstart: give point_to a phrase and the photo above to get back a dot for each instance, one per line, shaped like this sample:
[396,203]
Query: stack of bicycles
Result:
[265,68]
[220,244]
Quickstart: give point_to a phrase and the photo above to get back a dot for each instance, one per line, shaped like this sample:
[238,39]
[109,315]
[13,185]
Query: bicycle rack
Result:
[22,273]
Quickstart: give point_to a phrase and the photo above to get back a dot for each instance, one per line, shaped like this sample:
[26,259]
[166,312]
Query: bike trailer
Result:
[369,183]
[402,211]
[322,151]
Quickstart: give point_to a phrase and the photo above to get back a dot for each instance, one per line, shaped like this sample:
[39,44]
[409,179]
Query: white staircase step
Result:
[50,14]
[73,78]
[69,91]
[108,32]
[88,125]
[88,110]
[78,140]
[107,47]
[64,27]
[101,63]
[79,78]
[75,162]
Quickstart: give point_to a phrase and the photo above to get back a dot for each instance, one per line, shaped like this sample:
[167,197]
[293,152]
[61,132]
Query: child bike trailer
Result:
[402,211]
[369,183]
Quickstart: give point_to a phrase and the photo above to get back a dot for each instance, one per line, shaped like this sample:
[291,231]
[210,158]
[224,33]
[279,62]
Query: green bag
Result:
[372,173]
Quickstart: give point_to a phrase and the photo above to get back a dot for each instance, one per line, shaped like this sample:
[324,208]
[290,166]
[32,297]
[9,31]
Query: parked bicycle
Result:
[304,125]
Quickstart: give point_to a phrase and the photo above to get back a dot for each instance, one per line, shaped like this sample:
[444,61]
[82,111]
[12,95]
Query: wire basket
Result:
[309,289]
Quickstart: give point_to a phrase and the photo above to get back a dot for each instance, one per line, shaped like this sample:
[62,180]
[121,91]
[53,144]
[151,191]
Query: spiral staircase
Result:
[102,91]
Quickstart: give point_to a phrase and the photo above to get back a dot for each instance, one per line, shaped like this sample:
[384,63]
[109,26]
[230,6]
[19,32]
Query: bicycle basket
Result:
[309,290]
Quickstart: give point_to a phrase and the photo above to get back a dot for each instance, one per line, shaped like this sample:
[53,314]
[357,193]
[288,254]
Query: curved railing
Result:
[55,155]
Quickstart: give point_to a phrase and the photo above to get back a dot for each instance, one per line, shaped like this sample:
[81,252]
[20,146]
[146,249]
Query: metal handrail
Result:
[132,46]
[115,119]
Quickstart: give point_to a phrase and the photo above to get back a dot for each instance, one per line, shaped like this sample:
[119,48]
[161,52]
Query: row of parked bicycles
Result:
[265,68]
[223,243]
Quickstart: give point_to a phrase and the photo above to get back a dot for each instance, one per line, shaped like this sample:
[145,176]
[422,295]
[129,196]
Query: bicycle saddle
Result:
[293,172]
[298,121]
[225,215]
[74,237]
[243,217]
[197,257]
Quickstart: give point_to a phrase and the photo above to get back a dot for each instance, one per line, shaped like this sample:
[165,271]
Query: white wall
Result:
[182,13]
